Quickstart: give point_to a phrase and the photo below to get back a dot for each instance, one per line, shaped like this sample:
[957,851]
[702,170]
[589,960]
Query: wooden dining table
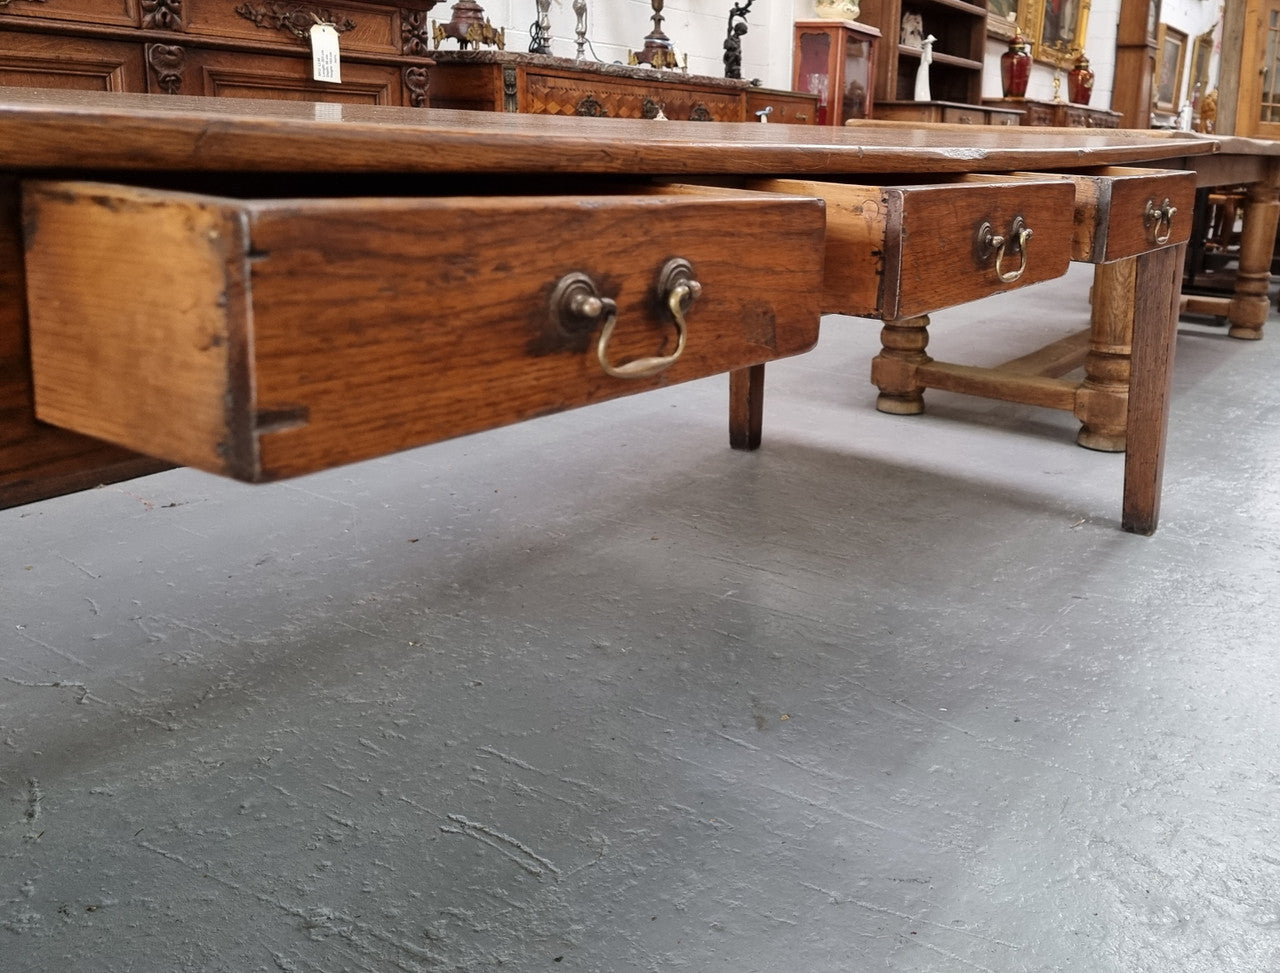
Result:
[264,289]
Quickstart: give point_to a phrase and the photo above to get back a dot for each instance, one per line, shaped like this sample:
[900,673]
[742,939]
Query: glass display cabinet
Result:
[836,60]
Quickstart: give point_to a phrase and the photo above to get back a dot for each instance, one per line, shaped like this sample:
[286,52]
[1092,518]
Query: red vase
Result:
[1015,68]
[1080,81]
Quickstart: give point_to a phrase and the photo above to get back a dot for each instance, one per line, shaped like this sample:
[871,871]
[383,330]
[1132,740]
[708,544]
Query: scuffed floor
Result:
[596,693]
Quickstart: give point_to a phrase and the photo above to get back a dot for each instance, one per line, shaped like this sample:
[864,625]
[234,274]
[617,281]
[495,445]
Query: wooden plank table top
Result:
[46,128]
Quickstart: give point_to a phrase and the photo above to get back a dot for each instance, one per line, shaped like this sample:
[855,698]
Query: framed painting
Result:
[1171,50]
[1201,52]
[1055,28]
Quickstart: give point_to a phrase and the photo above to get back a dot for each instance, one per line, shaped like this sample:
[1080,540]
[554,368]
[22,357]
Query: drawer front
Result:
[1039,115]
[907,112]
[361,28]
[32,61]
[900,251]
[1122,212]
[265,339]
[602,97]
[964,116]
[229,74]
[116,13]
[789,108]
[1006,118]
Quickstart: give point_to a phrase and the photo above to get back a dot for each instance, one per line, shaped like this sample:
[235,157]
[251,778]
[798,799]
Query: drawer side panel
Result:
[857,222]
[138,322]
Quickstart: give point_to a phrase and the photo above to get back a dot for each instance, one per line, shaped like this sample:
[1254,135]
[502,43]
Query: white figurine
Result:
[922,74]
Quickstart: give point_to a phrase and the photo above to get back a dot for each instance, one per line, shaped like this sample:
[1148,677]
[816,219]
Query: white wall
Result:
[697,28]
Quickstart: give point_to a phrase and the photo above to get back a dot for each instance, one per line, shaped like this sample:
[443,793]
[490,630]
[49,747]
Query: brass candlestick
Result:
[540,30]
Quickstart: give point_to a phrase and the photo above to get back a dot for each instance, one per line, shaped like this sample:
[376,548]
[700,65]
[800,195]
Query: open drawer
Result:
[1122,212]
[273,337]
[897,251]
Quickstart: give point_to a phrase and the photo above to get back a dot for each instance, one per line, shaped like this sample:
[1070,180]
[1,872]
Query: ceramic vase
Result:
[1080,81]
[1015,68]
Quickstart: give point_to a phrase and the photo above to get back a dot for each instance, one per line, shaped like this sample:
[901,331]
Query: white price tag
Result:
[325,62]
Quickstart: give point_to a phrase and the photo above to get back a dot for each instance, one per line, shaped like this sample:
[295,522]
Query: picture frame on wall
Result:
[1201,52]
[1171,50]
[1054,28]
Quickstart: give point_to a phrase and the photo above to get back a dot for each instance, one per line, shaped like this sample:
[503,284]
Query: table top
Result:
[45,128]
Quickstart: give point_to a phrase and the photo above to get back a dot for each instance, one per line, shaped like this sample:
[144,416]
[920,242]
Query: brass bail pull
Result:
[1154,219]
[990,242]
[677,290]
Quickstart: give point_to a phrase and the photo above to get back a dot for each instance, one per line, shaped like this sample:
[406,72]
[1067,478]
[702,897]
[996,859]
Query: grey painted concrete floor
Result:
[596,693]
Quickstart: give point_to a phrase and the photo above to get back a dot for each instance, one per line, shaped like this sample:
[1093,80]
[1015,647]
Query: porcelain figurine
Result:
[922,73]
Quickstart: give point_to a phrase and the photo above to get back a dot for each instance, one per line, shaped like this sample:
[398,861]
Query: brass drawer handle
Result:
[990,242]
[1154,218]
[677,289]
[577,306]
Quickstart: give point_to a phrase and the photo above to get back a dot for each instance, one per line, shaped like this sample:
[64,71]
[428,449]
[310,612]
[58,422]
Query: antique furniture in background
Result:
[248,49]
[987,113]
[1135,62]
[1060,114]
[511,81]
[835,60]
[301,344]
[787,107]
[955,75]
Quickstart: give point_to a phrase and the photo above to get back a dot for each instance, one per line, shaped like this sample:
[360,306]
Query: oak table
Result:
[263,289]
[1100,397]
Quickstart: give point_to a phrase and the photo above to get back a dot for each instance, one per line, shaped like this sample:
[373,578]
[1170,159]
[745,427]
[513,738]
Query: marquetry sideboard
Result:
[535,84]
[239,48]
[1057,114]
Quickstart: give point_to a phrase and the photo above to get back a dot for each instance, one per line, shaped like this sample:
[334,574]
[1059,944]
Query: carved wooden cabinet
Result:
[511,81]
[241,48]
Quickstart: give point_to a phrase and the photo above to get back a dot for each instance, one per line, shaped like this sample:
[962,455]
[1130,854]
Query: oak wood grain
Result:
[190,134]
[263,339]
[897,251]
[38,460]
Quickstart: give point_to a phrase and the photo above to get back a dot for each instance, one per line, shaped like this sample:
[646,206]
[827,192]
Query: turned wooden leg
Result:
[1155,329]
[893,371]
[1251,303]
[1102,400]
[746,407]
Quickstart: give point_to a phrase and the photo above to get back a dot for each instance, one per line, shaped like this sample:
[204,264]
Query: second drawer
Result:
[896,251]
